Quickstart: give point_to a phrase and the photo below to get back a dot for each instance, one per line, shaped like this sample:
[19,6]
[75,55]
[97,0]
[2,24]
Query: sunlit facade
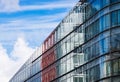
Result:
[84,47]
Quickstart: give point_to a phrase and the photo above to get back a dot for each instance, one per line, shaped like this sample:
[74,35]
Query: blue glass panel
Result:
[119,17]
[104,22]
[104,46]
[114,1]
[104,3]
[96,5]
[101,24]
[114,16]
[107,21]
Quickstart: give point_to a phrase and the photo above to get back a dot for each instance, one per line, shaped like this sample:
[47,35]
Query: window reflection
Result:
[104,3]
[104,22]
[115,42]
[114,16]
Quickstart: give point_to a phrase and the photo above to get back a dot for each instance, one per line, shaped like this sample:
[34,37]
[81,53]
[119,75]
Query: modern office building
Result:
[84,47]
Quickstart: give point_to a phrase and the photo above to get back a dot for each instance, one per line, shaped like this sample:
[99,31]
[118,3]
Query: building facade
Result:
[84,47]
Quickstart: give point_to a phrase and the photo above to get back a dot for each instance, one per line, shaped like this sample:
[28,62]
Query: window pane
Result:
[115,66]
[104,22]
[114,1]
[115,42]
[104,3]
[119,17]
[116,79]
[114,18]
[104,46]
[119,66]
[107,21]
[108,68]
[95,6]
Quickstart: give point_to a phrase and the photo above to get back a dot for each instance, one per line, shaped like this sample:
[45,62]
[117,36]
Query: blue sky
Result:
[31,19]
[24,24]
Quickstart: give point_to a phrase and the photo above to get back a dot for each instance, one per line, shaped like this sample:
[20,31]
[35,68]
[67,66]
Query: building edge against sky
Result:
[84,47]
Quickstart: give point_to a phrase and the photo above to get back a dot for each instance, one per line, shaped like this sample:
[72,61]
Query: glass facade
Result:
[84,47]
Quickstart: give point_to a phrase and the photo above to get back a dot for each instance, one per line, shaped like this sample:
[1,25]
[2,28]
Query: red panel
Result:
[48,42]
[48,58]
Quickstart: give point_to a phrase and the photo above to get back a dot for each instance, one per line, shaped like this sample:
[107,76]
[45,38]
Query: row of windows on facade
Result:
[90,31]
[96,5]
[92,50]
[105,22]
[99,48]
[95,49]
[89,12]
[78,58]
[48,43]
[93,73]
[116,66]
[62,29]
[114,23]
[98,26]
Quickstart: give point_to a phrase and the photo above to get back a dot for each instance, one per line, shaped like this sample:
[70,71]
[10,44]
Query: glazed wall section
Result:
[90,46]
[48,58]
[85,46]
[100,48]
[29,69]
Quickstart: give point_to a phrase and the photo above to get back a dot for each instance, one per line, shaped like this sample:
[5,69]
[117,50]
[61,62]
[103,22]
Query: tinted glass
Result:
[119,17]
[104,3]
[114,16]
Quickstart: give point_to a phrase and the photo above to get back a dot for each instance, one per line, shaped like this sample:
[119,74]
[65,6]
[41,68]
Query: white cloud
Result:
[35,22]
[8,66]
[13,5]
[9,5]
[47,6]
[33,26]
[21,50]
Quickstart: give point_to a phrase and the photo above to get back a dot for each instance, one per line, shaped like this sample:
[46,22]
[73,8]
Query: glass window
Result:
[115,42]
[75,79]
[119,17]
[78,79]
[114,16]
[114,1]
[92,8]
[116,79]
[101,24]
[115,66]
[86,14]
[88,32]
[98,72]
[92,73]
[104,45]
[88,53]
[93,47]
[75,59]
[88,11]
[95,6]
[107,20]
[97,49]
[103,70]
[104,3]
[97,26]
[108,68]
[119,65]
[104,22]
